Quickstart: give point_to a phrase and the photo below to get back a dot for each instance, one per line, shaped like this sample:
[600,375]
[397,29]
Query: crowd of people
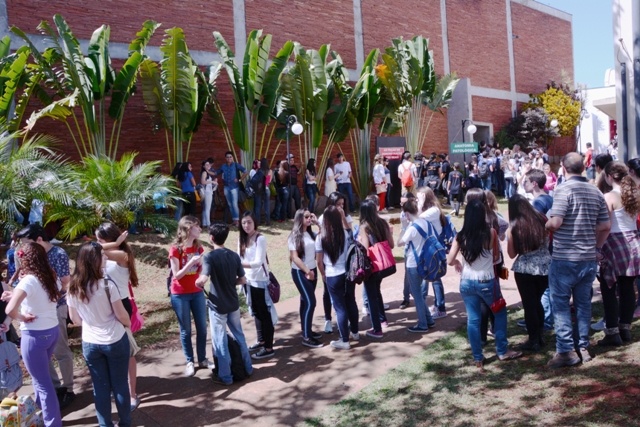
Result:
[562,233]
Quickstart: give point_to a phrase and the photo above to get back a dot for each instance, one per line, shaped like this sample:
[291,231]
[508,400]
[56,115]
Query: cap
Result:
[290,156]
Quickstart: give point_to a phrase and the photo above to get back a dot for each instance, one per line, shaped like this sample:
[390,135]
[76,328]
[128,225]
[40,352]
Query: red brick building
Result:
[502,49]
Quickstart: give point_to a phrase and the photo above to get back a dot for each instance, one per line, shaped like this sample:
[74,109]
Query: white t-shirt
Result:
[378,174]
[433,216]
[37,303]
[309,252]
[99,322]
[256,256]
[342,171]
[330,269]
[412,235]
[120,275]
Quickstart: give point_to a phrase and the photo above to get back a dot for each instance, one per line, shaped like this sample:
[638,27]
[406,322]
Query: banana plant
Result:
[412,89]
[63,78]
[12,70]
[254,91]
[175,94]
[304,92]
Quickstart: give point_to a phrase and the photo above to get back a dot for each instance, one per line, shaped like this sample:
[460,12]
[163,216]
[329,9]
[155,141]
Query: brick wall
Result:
[543,49]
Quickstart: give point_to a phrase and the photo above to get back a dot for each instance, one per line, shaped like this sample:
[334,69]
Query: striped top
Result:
[581,206]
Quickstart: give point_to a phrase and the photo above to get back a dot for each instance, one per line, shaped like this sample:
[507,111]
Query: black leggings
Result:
[619,312]
[531,289]
[262,316]
[326,303]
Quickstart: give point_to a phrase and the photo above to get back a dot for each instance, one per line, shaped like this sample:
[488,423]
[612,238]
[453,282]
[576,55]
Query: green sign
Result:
[463,147]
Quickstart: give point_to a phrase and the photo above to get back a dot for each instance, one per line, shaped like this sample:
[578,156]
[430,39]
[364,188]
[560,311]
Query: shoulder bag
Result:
[133,345]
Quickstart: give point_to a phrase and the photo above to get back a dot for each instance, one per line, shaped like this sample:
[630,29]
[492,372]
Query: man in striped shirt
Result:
[580,223]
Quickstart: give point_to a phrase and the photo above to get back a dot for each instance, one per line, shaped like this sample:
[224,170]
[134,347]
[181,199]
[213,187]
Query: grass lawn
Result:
[440,387]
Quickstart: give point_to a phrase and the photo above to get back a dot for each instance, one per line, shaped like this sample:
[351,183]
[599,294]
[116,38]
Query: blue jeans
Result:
[425,320]
[307,290]
[486,183]
[566,279]
[346,189]
[231,194]
[438,292]
[178,213]
[109,368]
[473,292]
[284,200]
[343,297]
[310,191]
[266,205]
[37,348]
[509,188]
[184,305]
[219,323]
[548,310]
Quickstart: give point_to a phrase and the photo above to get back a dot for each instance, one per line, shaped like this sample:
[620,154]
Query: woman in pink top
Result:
[552,179]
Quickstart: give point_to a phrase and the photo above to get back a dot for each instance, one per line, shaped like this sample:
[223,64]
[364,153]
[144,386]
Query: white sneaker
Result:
[355,336]
[206,363]
[327,327]
[340,345]
[598,326]
[190,370]
[439,314]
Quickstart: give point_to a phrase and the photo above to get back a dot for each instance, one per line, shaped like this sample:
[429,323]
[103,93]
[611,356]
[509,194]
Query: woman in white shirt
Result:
[121,268]
[304,271]
[95,304]
[379,181]
[33,303]
[252,247]
[432,213]
[331,255]
[414,241]
[209,183]
[330,184]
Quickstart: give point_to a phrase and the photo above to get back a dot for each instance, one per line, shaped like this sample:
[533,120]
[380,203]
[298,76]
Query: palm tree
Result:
[254,91]
[412,89]
[30,170]
[175,92]
[62,77]
[101,188]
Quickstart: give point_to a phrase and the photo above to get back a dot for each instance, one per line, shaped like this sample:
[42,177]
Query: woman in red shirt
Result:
[185,258]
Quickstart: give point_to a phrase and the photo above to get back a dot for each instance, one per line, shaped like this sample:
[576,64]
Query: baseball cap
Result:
[290,156]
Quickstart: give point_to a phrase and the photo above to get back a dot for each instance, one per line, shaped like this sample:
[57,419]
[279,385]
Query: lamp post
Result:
[297,129]
[471,129]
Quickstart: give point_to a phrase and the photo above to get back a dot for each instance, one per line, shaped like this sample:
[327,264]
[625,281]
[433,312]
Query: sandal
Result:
[510,355]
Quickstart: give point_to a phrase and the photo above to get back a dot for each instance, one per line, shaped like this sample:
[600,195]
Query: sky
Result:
[592,38]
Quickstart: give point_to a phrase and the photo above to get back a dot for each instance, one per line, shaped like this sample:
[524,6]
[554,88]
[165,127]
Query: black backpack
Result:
[256,183]
[483,169]
[359,266]
[237,365]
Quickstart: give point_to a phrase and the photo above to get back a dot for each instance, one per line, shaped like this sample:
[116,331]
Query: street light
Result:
[472,130]
[297,129]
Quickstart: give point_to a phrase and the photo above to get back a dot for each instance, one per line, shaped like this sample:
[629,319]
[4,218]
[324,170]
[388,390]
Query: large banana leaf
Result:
[10,77]
[271,82]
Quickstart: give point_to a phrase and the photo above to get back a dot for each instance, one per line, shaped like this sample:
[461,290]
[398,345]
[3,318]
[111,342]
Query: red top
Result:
[187,284]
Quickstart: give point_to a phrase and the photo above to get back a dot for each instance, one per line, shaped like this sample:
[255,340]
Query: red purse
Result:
[382,259]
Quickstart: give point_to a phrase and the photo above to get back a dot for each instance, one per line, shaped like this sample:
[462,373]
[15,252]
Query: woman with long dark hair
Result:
[282,188]
[252,247]
[33,303]
[476,242]
[266,195]
[209,184]
[374,229]
[334,199]
[185,259]
[121,268]
[621,252]
[528,240]
[311,186]
[95,304]
[331,255]
[304,271]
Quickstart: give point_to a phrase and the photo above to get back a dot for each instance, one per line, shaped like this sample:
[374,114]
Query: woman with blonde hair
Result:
[185,258]
[621,254]
[95,303]
[33,303]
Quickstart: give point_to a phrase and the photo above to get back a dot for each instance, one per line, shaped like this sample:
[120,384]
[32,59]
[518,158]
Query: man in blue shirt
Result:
[232,173]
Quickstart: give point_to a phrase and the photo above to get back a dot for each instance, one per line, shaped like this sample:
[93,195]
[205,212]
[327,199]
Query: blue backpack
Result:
[432,260]
[448,234]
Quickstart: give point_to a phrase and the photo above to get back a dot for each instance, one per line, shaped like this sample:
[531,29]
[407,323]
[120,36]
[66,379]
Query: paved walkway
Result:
[296,384]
